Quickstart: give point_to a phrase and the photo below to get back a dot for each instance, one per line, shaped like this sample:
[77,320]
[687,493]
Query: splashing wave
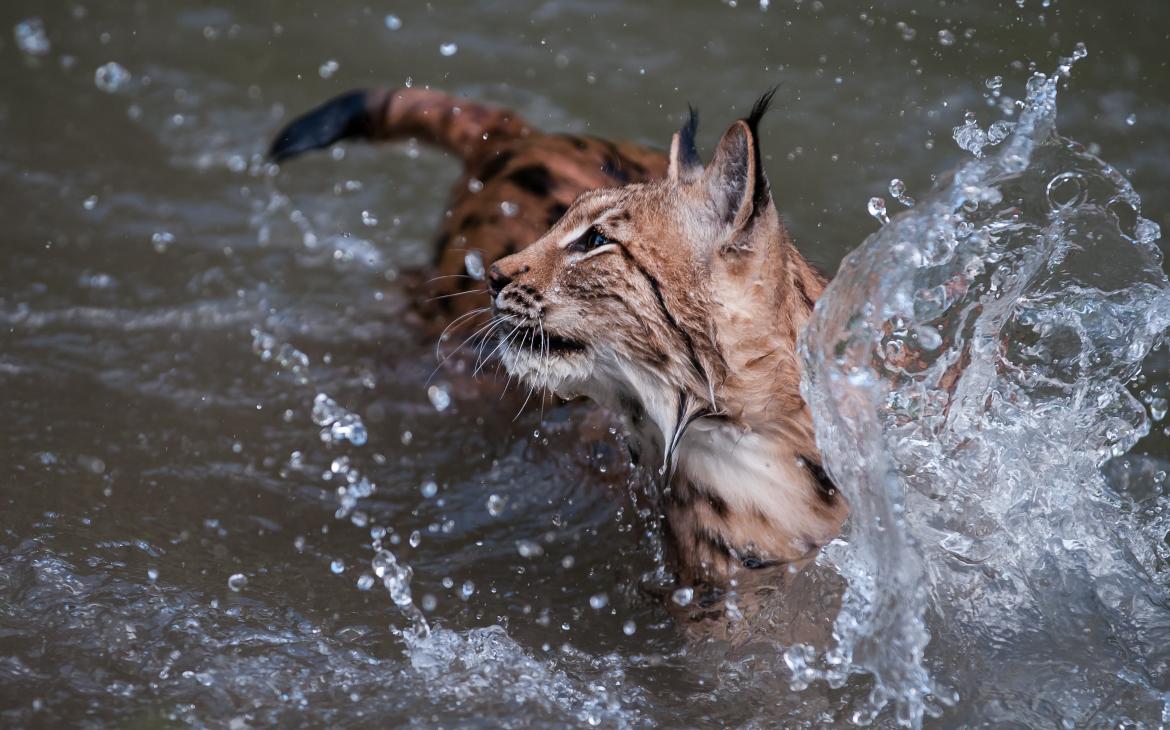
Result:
[968,372]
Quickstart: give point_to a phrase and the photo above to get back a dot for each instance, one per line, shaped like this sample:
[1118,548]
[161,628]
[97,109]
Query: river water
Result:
[194,355]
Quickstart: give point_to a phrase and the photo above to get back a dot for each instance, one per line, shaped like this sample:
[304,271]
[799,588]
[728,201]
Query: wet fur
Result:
[677,303]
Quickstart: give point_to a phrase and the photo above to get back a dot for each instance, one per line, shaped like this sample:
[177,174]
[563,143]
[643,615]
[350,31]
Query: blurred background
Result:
[170,309]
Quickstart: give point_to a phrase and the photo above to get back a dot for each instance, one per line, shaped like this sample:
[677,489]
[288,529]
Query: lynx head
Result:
[654,295]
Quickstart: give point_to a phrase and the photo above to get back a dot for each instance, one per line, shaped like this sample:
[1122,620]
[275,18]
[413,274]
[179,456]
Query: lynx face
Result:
[613,292]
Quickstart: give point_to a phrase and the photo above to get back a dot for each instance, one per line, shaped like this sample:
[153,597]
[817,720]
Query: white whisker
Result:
[454,322]
[457,294]
[487,327]
[484,361]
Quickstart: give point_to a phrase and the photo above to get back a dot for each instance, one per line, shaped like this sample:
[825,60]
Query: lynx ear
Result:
[685,164]
[735,178]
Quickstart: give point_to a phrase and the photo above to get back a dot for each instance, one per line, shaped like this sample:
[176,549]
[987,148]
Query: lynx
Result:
[677,303]
[668,291]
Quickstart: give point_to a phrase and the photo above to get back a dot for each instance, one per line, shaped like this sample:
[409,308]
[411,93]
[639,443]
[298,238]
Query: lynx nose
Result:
[497,280]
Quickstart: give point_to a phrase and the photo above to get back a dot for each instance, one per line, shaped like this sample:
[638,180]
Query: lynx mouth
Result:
[544,359]
[540,342]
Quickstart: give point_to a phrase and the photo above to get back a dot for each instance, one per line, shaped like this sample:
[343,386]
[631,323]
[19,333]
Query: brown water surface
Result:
[148,452]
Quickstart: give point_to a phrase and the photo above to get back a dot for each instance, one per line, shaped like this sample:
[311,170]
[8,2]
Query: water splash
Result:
[289,358]
[967,372]
[453,661]
[338,424]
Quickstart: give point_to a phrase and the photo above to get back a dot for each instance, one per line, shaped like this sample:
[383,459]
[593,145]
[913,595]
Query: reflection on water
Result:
[218,423]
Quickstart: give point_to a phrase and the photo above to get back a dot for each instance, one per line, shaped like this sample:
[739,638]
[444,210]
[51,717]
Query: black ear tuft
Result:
[688,155]
[759,109]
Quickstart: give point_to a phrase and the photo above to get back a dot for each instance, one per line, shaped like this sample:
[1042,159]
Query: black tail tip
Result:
[342,117]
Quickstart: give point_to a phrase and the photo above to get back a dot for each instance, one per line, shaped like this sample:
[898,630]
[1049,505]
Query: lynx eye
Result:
[590,240]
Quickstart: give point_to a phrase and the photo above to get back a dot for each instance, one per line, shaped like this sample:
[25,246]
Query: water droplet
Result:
[509,209]
[237,582]
[448,49]
[415,539]
[90,203]
[397,582]
[382,562]
[111,77]
[1131,120]
[429,602]
[395,577]
[1066,190]
[495,505]
[392,22]
[327,69]
[1079,51]
[529,549]
[877,208]
[994,83]
[629,627]
[473,262]
[337,567]
[969,136]
[369,219]
[598,601]
[152,573]
[440,397]
[898,192]
[946,37]
[31,37]
[683,596]
[429,489]
[474,186]
[467,589]
[908,33]
[365,582]
[1158,408]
